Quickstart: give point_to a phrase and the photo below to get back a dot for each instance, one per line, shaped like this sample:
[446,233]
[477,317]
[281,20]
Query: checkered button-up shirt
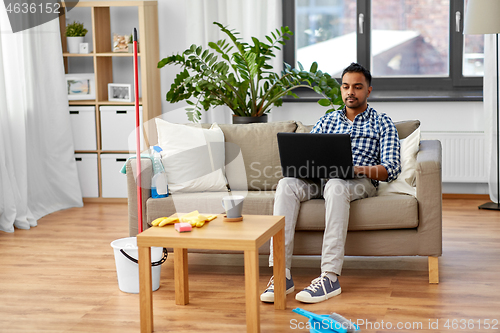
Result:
[374,138]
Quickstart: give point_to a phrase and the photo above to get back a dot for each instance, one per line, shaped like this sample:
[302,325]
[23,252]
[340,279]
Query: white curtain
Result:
[490,107]
[37,168]
[256,18]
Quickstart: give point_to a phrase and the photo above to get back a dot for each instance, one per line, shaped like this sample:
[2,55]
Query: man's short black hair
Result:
[357,68]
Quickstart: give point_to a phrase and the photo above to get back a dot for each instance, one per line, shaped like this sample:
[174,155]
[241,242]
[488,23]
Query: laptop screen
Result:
[315,155]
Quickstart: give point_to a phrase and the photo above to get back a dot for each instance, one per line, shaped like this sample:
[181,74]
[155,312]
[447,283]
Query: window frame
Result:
[453,87]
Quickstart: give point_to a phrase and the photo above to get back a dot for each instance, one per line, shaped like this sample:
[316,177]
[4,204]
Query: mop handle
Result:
[137,136]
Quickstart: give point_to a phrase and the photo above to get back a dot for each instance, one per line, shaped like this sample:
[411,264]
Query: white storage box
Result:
[118,128]
[83,126]
[87,174]
[114,183]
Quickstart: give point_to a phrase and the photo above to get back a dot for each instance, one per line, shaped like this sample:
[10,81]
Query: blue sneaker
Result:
[321,289]
[268,294]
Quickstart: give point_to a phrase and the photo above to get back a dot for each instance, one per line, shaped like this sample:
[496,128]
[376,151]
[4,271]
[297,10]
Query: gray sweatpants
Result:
[338,194]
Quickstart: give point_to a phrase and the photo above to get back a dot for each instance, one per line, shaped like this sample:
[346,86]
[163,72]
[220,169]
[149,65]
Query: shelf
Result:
[104,62]
[78,54]
[104,152]
[119,103]
[93,4]
[104,54]
[116,54]
[85,151]
[93,102]
[82,102]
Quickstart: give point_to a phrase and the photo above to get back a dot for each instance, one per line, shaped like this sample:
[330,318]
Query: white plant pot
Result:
[73,44]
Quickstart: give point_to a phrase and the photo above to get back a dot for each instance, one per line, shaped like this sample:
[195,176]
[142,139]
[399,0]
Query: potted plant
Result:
[75,33]
[238,75]
[130,44]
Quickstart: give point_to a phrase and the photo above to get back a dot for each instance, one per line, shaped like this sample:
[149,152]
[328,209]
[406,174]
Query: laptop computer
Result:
[315,156]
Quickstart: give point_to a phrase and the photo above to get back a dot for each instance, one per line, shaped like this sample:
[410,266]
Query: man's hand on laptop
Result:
[376,172]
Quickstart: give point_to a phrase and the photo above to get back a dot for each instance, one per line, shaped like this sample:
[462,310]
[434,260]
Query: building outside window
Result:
[406,44]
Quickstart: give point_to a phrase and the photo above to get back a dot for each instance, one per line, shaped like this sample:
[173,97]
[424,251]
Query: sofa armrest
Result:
[146,175]
[429,196]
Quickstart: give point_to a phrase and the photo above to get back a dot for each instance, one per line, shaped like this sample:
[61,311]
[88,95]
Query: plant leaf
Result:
[324,102]
[314,67]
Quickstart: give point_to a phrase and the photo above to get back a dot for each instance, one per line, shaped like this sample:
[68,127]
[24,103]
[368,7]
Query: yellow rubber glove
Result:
[168,220]
[157,221]
[196,219]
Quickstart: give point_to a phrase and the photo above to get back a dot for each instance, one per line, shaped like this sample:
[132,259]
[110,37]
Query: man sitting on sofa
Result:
[376,157]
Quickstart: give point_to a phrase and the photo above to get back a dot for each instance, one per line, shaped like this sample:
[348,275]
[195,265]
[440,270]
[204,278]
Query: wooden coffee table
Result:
[246,236]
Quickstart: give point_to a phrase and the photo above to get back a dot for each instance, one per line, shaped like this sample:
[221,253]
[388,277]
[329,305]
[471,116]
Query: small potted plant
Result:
[130,45]
[237,74]
[75,33]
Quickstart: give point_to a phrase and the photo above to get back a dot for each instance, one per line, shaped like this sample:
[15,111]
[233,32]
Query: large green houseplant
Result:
[241,77]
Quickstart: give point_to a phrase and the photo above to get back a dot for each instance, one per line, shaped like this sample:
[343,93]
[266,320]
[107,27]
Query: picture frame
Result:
[80,86]
[120,92]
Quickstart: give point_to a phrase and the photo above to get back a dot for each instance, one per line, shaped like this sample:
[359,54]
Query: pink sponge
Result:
[183,227]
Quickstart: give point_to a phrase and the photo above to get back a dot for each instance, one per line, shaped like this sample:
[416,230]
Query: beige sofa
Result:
[395,225]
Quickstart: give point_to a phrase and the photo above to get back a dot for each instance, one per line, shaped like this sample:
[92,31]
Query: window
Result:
[410,45]
[473,55]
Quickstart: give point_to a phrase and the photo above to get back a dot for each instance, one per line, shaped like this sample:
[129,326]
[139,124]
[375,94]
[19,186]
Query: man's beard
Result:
[354,104]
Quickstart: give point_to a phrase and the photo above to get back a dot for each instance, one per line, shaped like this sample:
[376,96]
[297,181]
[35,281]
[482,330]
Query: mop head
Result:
[346,323]
[333,323]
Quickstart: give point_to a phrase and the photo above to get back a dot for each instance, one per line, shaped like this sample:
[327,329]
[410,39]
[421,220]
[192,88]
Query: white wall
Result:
[434,116]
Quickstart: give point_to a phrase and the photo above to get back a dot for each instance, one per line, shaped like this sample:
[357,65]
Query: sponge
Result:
[183,227]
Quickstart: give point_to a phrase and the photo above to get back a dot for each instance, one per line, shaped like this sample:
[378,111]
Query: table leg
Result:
[279,270]
[252,291]
[181,276]
[145,290]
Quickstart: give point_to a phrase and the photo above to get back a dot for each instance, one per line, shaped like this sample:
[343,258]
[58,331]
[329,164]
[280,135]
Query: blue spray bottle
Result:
[159,185]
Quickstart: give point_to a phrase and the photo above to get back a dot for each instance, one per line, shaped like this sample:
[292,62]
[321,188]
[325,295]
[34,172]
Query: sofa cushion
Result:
[193,157]
[259,147]
[405,183]
[301,128]
[256,202]
[404,128]
[365,214]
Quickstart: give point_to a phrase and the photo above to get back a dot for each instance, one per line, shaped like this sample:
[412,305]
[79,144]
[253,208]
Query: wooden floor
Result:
[61,277]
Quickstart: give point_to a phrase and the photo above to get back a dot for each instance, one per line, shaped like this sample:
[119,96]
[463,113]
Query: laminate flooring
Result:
[60,277]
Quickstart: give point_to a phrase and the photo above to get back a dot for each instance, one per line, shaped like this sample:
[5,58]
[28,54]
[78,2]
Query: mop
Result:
[137,135]
[328,323]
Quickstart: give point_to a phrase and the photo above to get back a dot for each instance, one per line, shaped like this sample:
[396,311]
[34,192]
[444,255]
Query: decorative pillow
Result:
[406,127]
[259,148]
[404,182]
[193,157]
[301,128]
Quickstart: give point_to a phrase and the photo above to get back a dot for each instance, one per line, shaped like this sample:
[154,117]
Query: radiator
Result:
[464,156]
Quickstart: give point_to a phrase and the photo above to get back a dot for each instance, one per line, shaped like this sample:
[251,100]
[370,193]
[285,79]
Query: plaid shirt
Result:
[374,138]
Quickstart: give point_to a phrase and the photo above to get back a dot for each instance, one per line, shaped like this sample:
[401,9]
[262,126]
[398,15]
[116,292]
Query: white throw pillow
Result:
[404,182]
[193,157]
